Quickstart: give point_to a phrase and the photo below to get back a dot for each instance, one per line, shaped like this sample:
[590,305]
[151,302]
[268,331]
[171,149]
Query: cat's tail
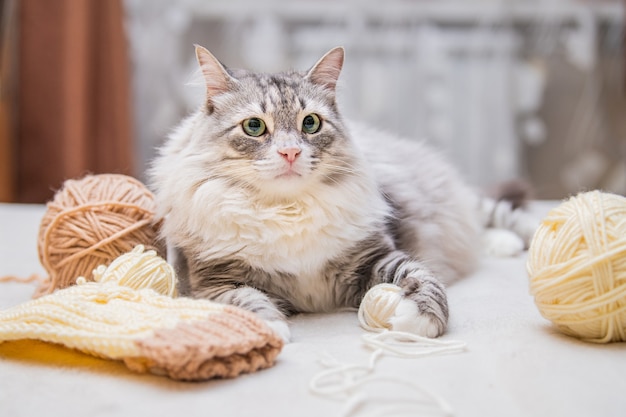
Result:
[517,192]
[503,210]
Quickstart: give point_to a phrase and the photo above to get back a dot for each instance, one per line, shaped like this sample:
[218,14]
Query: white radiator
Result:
[468,76]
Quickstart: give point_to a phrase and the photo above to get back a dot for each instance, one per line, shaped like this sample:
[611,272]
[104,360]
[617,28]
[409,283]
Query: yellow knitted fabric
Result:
[182,338]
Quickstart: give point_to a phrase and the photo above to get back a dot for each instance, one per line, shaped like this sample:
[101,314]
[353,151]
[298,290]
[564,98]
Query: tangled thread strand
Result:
[348,381]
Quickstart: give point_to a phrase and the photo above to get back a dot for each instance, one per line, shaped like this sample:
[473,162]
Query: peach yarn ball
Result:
[92,221]
[577,267]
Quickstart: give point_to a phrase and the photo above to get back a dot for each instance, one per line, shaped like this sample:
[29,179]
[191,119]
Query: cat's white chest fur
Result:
[297,237]
[292,237]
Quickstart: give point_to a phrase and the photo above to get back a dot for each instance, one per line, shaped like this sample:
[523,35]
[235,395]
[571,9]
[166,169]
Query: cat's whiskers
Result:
[330,172]
[341,168]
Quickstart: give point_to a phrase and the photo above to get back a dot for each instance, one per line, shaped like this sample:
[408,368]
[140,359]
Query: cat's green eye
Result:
[311,124]
[254,126]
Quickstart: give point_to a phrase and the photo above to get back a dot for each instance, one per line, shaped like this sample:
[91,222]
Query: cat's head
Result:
[279,134]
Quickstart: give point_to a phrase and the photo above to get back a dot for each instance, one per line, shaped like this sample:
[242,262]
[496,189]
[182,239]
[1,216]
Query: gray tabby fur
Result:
[356,207]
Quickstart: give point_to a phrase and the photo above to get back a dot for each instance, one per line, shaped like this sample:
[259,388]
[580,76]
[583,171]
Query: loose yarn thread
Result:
[22,280]
[577,267]
[345,380]
[91,221]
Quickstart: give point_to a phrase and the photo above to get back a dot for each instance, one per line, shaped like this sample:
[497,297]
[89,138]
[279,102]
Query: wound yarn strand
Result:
[140,269]
[91,221]
[378,306]
[577,267]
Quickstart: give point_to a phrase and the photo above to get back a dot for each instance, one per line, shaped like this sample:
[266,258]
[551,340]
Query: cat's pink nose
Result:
[290,153]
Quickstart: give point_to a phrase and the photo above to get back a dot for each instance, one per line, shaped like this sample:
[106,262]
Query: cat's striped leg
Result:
[504,214]
[508,228]
[424,308]
[218,281]
[252,300]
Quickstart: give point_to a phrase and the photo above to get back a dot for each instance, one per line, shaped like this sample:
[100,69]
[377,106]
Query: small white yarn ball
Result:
[139,269]
[378,307]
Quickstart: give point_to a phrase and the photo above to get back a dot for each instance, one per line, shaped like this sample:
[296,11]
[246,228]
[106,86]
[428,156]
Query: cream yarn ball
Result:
[577,267]
[378,307]
[139,269]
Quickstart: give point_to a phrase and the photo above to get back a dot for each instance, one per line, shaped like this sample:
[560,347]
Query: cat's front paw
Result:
[408,318]
[281,328]
[423,309]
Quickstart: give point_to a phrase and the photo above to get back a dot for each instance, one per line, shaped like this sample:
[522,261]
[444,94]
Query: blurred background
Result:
[532,89]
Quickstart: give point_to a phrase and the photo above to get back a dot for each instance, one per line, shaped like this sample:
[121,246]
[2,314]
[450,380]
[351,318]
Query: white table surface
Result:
[516,363]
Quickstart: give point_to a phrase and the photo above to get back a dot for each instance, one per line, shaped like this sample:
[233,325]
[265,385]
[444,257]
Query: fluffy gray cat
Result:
[272,202]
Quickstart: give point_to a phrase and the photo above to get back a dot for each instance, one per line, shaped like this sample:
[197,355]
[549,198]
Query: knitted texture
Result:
[182,338]
[92,221]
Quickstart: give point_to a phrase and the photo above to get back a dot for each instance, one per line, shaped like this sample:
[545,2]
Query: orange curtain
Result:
[74,112]
[8,53]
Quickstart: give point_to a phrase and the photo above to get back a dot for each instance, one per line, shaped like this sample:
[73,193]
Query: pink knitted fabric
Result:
[225,345]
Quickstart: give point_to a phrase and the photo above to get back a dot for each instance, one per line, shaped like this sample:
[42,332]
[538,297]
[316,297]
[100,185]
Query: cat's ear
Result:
[326,71]
[216,78]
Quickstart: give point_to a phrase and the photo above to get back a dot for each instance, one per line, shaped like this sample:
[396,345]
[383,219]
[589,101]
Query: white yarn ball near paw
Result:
[378,307]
